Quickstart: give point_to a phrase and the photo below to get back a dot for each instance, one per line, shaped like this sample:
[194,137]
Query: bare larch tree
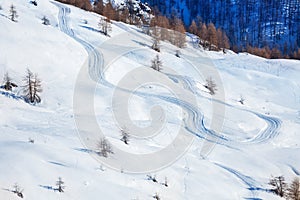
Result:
[32,88]
[156,63]
[104,148]
[8,84]
[13,13]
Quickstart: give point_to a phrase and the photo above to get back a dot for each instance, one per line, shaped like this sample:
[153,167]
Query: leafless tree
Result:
[60,184]
[293,191]
[105,25]
[156,38]
[278,185]
[177,54]
[156,63]
[156,196]
[13,13]
[32,88]
[166,182]
[8,84]
[152,178]
[124,135]
[241,100]
[17,190]
[211,86]
[45,21]
[212,36]
[30,140]
[104,148]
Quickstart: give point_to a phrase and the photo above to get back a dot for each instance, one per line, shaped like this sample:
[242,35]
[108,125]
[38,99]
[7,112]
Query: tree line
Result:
[245,25]
[256,26]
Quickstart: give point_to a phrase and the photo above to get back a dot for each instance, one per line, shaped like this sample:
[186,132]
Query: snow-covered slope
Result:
[258,139]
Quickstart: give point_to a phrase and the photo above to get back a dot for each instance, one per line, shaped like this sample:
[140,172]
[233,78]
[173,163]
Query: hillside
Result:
[206,146]
[256,23]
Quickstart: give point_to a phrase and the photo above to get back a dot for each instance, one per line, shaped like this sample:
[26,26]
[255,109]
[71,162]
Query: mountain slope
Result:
[254,143]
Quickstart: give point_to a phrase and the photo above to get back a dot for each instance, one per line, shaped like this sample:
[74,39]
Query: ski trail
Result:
[294,170]
[273,124]
[94,56]
[194,124]
[252,185]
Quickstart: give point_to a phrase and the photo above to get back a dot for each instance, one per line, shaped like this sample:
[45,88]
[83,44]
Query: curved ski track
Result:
[195,122]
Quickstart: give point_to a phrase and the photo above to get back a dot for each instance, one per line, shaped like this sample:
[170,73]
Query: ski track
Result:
[94,56]
[95,60]
[294,170]
[273,124]
[252,185]
[195,124]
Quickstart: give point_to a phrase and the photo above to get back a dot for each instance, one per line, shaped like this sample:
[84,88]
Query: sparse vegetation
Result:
[30,140]
[13,13]
[155,38]
[152,178]
[281,188]
[60,185]
[17,190]
[293,191]
[241,100]
[211,86]
[125,135]
[279,185]
[156,196]
[33,2]
[32,88]
[104,148]
[45,21]
[156,63]
[166,182]
[8,84]
[177,54]
[105,25]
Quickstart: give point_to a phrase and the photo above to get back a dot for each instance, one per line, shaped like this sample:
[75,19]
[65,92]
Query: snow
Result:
[258,139]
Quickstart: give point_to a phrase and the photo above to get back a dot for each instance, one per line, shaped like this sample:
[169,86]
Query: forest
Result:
[249,24]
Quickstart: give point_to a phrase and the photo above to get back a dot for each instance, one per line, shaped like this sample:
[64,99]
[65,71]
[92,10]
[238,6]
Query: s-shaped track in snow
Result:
[195,123]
